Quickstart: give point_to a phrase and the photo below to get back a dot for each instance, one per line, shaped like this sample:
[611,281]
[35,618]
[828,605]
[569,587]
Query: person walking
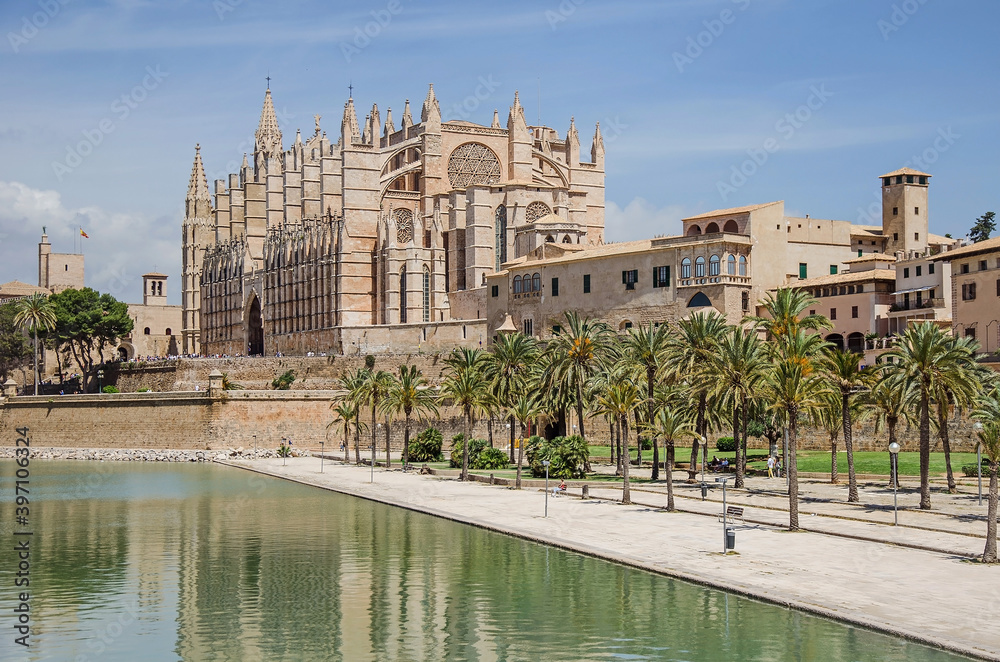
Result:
[770,466]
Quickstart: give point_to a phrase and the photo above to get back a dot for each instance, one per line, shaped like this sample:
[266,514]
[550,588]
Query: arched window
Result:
[402,295]
[159,288]
[536,283]
[699,267]
[686,268]
[427,294]
[693,231]
[168,333]
[500,236]
[567,240]
[713,265]
[517,284]
[743,265]
[731,226]
[699,300]
[731,265]
[550,239]
[712,228]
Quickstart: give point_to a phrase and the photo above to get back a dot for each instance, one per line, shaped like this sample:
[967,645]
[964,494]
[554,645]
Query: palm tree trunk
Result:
[406,442]
[650,378]
[579,406]
[618,441]
[387,449]
[743,425]
[520,455]
[611,438]
[946,445]
[489,430]
[626,494]
[793,472]
[373,433]
[852,480]
[834,470]
[357,437]
[669,449]
[465,444]
[638,442]
[512,433]
[925,450]
[700,429]
[990,553]
[739,447]
[36,363]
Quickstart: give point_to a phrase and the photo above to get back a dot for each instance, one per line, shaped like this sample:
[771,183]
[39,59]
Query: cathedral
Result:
[382,240]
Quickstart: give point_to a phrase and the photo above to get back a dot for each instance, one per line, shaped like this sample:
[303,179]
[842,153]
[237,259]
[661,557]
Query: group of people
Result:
[774,466]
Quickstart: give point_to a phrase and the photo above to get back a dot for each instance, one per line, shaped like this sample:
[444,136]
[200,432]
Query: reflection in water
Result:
[195,562]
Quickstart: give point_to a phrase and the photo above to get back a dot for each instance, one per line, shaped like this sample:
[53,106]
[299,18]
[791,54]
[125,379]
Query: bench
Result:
[732,513]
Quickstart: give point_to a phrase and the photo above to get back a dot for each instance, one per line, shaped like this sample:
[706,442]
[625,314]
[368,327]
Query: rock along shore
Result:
[148,455]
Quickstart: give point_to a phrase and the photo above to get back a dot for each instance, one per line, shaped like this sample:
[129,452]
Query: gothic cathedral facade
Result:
[381,241]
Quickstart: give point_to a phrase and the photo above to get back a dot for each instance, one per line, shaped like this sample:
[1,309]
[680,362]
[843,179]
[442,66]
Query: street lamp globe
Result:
[894,448]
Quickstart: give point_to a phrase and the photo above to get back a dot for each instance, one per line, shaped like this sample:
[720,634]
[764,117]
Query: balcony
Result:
[721,279]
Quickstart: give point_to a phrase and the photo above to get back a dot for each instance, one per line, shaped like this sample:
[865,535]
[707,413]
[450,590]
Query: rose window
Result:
[473,164]
[536,210]
[404,225]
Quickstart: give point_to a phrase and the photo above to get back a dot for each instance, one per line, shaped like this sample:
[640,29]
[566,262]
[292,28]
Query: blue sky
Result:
[688,93]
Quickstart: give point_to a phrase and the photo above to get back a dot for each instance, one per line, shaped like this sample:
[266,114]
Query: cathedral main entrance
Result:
[255,329]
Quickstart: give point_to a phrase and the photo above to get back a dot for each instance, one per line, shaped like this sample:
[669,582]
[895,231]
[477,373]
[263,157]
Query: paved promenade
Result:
[916,582]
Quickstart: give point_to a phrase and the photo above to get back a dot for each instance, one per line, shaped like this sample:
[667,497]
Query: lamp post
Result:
[378,427]
[321,453]
[704,457]
[723,479]
[546,463]
[100,381]
[979,462]
[894,469]
[255,447]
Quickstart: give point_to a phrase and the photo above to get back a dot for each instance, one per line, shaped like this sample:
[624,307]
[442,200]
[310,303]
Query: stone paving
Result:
[932,594]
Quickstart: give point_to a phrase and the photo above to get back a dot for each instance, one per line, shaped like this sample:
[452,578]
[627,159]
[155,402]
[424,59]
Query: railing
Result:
[913,305]
[721,279]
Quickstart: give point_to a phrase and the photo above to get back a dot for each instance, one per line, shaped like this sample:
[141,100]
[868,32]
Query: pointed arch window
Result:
[686,268]
[500,237]
[427,294]
[713,265]
[699,267]
[402,295]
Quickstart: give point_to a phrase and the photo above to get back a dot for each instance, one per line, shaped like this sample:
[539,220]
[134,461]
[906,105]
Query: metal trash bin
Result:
[730,539]
[704,491]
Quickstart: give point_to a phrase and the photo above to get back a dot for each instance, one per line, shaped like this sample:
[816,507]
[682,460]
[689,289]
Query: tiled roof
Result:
[16,288]
[849,277]
[972,249]
[733,211]
[905,171]
[871,257]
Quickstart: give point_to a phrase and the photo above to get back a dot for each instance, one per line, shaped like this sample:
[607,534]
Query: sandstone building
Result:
[382,240]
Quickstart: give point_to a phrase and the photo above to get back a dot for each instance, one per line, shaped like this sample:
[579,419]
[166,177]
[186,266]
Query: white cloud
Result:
[120,249]
[640,219]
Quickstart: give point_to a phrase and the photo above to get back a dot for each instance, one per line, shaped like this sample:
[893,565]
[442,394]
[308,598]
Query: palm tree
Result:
[509,366]
[928,357]
[619,397]
[354,382]
[843,371]
[888,402]
[524,410]
[33,313]
[671,422]
[794,388]
[959,389]
[987,412]
[345,411]
[375,390]
[646,348]
[829,417]
[738,365]
[466,387]
[410,393]
[688,355]
[575,353]
[784,314]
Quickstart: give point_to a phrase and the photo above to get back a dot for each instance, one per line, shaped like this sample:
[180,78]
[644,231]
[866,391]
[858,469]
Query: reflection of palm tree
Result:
[410,394]
[929,357]
[33,313]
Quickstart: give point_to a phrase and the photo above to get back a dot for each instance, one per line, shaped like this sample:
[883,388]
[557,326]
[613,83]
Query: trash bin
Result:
[730,538]
[704,491]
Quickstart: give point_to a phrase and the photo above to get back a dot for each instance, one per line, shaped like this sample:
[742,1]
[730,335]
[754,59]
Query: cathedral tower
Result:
[198,232]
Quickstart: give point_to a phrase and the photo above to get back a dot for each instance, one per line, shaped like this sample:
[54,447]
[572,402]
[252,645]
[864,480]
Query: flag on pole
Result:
[84,234]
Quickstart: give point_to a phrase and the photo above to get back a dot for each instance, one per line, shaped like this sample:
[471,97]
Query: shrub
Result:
[284,451]
[110,389]
[490,458]
[369,361]
[476,446]
[725,445]
[284,382]
[970,469]
[426,446]
[647,444]
[144,389]
[568,456]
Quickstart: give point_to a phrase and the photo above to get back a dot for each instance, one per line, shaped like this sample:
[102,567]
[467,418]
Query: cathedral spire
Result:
[267,154]
[496,119]
[375,126]
[431,110]
[198,185]
[597,150]
[572,144]
[407,116]
[389,127]
[349,127]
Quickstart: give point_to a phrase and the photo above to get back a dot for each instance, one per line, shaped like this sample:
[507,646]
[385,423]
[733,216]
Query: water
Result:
[198,562]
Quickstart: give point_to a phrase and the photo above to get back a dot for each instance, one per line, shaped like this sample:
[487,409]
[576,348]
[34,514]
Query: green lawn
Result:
[865,462]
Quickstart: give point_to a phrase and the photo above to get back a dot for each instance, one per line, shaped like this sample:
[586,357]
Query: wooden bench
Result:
[732,513]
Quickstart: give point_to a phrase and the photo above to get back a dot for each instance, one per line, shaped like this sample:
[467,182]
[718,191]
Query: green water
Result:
[197,562]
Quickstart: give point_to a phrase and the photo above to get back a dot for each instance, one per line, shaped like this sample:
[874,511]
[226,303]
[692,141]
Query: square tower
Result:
[904,211]
[154,289]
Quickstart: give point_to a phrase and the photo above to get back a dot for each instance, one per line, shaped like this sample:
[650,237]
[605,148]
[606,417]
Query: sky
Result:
[703,104]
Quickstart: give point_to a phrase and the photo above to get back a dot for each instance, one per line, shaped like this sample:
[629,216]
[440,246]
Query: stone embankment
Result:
[148,455]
